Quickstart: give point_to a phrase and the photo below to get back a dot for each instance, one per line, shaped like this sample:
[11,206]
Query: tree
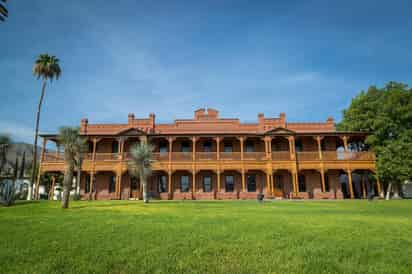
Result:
[3,11]
[140,165]
[71,141]
[81,150]
[387,114]
[5,142]
[22,166]
[47,68]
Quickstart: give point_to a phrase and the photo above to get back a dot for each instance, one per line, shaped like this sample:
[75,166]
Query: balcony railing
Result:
[230,156]
[226,156]
[254,156]
[204,156]
[307,156]
[281,156]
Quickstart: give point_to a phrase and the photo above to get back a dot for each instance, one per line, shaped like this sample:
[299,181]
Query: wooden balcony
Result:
[303,156]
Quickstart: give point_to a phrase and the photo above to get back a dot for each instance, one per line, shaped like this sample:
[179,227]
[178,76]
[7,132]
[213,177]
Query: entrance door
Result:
[278,187]
[134,188]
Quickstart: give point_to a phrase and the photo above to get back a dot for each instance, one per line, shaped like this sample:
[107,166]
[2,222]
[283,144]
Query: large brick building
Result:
[209,157]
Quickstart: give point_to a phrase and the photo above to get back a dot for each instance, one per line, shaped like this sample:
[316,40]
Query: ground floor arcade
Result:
[231,184]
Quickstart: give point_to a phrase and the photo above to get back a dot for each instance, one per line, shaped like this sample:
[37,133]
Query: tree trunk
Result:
[36,133]
[144,184]
[388,191]
[67,185]
[396,188]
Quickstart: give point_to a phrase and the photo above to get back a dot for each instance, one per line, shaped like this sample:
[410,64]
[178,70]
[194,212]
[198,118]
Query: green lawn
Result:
[200,237]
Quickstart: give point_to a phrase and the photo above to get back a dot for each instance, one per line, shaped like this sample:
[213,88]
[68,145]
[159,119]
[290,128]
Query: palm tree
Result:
[3,11]
[46,67]
[72,142]
[81,149]
[5,141]
[140,165]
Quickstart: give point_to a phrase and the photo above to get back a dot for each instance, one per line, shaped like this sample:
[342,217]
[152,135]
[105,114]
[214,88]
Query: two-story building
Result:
[209,157]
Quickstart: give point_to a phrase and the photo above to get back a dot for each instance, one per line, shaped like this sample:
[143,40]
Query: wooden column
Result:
[241,148]
[193,182]
[297,182]
[294,185]
[94,149]
[243,181]
[169,184]
[363,186]
[170,140]
[194,148]
[119,187]
[36,193]
[350,183]
[272,184]
[217,148]
[345,143]
[268,190]
[291,140]
[322,177]
[319,141]
[91,185]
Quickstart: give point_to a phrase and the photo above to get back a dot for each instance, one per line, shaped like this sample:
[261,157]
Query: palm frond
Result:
[3,11]
[140,165]
[47,67]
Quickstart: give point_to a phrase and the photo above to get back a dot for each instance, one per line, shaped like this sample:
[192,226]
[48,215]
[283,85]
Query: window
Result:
[229,183]
[162,183]
[112,184]
[184,183]
[115,147]
[207,184]
[250,146]
[251,183]
[298,145]
[134,184]
[185,147]
[227,147]
[163,148]
[207,146]
[327,186]
[302,183]
[278,182]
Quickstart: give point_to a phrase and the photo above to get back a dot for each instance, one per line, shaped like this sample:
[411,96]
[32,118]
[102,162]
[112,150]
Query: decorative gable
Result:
[279,130]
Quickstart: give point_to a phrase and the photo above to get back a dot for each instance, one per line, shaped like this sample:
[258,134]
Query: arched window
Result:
[112,184]
[302,183]
[251,183]
[184,183]
[207,184]
[229,183]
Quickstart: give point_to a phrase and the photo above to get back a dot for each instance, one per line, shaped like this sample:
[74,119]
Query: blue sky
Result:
[305,58]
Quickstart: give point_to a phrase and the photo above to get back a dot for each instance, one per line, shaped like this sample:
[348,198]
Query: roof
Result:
[208,122]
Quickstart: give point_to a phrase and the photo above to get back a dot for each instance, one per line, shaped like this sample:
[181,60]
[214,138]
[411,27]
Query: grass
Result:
[212,237]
